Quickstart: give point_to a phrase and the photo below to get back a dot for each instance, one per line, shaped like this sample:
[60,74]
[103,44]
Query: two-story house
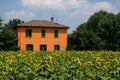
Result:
[38,35]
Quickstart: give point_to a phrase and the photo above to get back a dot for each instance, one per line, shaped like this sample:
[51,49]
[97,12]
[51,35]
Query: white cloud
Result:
[103,6]
[52,4]
[76,10]
[19,14]
[70,7]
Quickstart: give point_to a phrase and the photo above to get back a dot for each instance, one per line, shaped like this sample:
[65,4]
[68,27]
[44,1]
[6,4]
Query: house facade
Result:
[39,35]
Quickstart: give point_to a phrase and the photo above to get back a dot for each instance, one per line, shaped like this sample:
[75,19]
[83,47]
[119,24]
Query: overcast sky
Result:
[68,12]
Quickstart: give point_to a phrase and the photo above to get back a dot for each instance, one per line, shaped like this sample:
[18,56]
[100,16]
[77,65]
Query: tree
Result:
[107,30]
[1,21]
[71,42]
[81,39]
[7,37]
[12,23]
[100,32]
[1,24]
[117,35]
[93,22]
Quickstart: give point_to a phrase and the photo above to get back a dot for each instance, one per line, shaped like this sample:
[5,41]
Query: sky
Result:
[71,13]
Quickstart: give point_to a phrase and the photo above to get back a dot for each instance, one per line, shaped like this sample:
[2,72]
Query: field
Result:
[60,65]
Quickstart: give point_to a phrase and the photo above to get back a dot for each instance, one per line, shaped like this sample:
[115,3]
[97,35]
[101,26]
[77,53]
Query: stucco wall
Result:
[37,40]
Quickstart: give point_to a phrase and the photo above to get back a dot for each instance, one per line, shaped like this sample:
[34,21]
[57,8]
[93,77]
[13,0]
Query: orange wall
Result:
[36,38]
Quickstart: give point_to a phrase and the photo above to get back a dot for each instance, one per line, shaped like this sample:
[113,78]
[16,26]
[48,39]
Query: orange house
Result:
[38,35]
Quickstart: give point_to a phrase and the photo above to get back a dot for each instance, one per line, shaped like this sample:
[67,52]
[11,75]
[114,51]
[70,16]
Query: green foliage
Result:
[58,65]
[100,32]
[1,21]
[7,37]
[14,48]
[1,24]
[12,23]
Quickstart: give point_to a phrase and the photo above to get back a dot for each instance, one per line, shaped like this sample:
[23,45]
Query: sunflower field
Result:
[60,65]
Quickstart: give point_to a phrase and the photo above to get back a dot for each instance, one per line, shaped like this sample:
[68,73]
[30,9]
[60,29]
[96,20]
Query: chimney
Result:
[52,19]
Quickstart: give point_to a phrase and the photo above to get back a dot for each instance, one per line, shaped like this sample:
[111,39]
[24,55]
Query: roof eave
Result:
[42,26]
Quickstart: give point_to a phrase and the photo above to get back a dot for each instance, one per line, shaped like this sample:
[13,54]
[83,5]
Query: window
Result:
[56,47]
[56,33]
[29,47]
[28,32]
[43,47]
[43,33]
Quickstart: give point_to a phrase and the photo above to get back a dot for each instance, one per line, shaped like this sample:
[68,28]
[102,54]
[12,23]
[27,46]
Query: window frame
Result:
[29,47]
[28,32]
[56,47]
[43,33]
[56,33]
[43,45]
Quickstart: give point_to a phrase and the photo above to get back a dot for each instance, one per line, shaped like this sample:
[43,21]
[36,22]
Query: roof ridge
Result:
[42,23]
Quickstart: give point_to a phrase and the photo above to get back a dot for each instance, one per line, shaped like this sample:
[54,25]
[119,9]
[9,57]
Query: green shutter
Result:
[43,33]
[28,32]
[56,33]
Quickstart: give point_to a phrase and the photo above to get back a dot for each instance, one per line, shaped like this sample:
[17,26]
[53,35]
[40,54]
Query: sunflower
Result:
[108,78]
[0,62]
[29,69]
[10,69]
[104,67]
[89,63]
[48,66]
[79,62]
[115,62]
[0,56]
[99,63]
[50,58]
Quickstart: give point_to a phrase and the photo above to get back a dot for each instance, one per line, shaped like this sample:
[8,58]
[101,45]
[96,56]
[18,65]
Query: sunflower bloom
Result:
[79,62]
[89,63]
[29,70]
[108,78]
[104,67]
[99,63]
[115,62]
[50,58]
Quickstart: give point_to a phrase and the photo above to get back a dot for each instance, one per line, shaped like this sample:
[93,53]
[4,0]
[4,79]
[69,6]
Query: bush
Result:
[14,48]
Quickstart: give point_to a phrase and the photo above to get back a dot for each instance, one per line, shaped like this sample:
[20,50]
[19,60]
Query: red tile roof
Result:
[42,23]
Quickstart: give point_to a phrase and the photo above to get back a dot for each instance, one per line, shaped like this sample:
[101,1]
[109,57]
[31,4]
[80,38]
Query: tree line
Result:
[100,32]
[7,37]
